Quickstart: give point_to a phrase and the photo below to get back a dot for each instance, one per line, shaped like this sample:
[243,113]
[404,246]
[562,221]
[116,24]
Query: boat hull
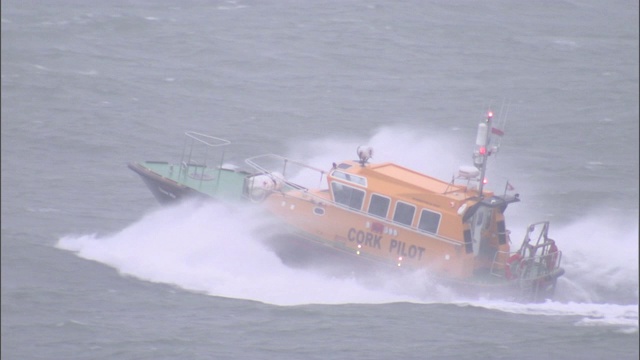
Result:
[166,191]
[299,251]
[297,248]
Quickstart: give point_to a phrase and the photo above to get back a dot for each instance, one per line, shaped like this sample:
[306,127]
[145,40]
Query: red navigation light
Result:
[490,114]
[485,181]
[483,150]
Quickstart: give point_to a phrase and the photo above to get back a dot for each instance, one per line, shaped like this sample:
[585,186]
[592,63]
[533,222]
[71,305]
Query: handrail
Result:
[527,259]
[210,142]
[251,161]
[196,136]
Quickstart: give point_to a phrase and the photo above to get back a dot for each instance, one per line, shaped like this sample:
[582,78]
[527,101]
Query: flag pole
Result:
[508,187]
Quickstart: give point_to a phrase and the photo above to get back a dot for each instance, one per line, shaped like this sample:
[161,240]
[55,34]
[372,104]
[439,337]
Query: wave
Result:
[218,250]
[214,248]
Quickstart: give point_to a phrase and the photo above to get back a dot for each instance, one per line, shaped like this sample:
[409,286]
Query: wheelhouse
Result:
[425,205]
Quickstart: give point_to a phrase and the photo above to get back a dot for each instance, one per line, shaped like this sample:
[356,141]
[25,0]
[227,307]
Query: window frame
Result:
[381,197]
[422,212]
[354,179]
[395,210]
[352,189]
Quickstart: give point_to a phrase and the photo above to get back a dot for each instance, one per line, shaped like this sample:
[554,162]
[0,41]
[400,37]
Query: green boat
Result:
[201,172]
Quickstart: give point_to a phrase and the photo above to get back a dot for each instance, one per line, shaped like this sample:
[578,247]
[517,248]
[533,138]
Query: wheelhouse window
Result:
[347,195]
[429,221]
[404,213]
[379,205]
[351,178]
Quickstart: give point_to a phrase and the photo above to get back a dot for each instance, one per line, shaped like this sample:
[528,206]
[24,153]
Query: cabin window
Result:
[379,206]
[346,195]
[429,221]
[351,178]
[404,213]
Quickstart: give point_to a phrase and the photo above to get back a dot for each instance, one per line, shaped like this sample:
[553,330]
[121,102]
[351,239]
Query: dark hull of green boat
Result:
[171,183]
[166,191]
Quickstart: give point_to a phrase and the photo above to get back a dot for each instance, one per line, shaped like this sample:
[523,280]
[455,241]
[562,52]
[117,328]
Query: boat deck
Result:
[215,182]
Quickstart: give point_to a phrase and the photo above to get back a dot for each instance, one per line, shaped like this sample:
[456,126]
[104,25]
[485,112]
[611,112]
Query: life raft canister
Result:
[552,259]
[512,262]
[264,184]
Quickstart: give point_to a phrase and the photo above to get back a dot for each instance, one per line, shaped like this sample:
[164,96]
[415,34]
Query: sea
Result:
[94,268]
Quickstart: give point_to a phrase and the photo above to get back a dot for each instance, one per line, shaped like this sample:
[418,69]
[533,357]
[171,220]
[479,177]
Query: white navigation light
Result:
[481,139]
[468,172]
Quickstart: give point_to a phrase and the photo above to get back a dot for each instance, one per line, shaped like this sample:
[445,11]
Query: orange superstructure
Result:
[388,213]
[395,215]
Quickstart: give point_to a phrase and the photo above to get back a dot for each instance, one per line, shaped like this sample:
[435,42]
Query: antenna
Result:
[506,113]
[498,130]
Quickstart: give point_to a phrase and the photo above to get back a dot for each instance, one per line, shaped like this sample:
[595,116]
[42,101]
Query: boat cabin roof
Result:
[399,182]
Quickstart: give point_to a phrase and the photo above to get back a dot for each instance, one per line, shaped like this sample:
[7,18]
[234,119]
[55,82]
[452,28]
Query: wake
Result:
[218,250]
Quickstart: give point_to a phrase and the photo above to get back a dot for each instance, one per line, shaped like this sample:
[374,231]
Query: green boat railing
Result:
[187,161]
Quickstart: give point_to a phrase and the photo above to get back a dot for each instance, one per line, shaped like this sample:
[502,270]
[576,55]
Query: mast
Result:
[481,153]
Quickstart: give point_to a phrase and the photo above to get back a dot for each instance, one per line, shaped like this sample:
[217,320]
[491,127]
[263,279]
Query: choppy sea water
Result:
[93,268]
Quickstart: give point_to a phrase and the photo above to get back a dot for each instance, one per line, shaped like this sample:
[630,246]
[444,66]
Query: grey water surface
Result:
[94,268]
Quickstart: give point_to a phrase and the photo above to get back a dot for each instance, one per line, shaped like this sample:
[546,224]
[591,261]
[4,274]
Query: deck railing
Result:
[530,261]
[187,160]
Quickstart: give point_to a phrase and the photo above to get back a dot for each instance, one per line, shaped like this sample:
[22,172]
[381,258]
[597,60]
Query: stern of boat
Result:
[534,269]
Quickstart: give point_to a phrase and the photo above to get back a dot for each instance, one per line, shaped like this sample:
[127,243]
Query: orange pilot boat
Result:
[387,213]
